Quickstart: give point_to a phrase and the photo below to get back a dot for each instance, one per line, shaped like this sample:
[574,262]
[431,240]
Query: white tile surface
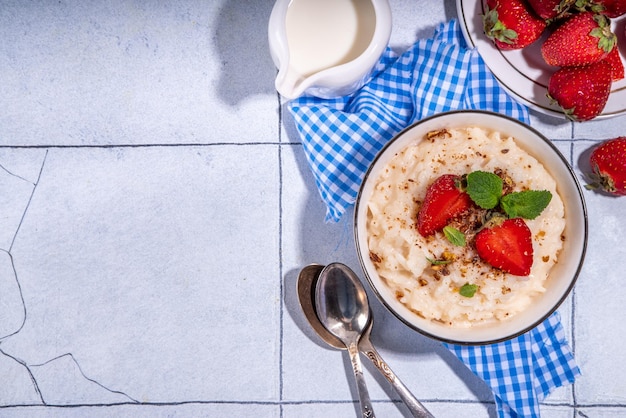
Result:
[132,73]
[143,148]
[136,247]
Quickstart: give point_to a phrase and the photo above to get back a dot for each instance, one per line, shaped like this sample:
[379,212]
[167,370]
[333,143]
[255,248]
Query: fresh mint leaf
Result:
[527,204]
[484,188]
[468,290]
[455,236]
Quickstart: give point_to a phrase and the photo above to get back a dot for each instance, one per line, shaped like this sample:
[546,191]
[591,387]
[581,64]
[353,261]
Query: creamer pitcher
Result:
[327,48]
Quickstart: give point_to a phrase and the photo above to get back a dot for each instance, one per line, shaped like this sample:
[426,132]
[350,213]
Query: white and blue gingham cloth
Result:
[524,370]
[342,136]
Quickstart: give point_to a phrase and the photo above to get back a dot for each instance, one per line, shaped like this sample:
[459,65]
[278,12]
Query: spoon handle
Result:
[364,397]
[415,407]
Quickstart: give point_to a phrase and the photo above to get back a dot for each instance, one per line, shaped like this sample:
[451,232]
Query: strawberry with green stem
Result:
[583,39]
[609,8]
[608,163]
[511,24]
[551,9]
[613,8]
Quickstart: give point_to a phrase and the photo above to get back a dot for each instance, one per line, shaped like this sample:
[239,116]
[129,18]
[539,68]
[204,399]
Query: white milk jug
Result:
[327,48]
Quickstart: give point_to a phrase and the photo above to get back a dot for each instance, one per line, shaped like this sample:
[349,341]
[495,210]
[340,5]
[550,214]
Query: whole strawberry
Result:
[511,24]
[582,92]
[608,162]
[550,9]
[613,8]
[609,8]
[617,66]
[582,39]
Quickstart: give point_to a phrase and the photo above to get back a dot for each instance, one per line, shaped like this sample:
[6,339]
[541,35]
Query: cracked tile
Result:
[64,383]
[12,311]
[125,262]
[19,172]
[21,391]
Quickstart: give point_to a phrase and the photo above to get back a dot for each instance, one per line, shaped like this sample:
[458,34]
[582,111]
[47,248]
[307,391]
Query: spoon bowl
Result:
[307,279]
[341,302]
[342,308]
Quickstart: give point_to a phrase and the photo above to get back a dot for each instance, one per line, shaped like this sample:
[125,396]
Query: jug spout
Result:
[290,84]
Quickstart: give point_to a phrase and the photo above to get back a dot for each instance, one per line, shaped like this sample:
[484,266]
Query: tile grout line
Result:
[573,311]
[280,259]
[148,145]
[51,406]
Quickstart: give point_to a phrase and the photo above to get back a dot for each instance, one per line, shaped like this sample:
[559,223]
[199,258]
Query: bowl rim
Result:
[360,201]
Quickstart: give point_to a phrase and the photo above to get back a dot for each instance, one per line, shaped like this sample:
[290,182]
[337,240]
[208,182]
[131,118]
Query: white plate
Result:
[524,73]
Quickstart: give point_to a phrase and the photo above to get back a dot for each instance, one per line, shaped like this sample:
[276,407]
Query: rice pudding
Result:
[404,259]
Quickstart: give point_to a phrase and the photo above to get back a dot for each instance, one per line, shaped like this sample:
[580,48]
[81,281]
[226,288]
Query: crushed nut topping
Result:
[441,133]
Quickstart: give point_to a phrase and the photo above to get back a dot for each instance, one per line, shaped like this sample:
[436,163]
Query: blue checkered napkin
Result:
[524,370]
[341,138]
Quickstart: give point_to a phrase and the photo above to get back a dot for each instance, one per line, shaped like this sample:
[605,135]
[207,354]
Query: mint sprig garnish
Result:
[485,189]
[527,204]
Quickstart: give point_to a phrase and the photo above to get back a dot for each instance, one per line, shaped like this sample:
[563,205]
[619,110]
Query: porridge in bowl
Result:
[446,275]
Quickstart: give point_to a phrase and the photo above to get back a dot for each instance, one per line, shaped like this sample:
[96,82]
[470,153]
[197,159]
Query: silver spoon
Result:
[307,280]
[343,310]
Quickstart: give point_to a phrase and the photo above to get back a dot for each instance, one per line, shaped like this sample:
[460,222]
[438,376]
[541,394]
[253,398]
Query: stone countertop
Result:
[156,208]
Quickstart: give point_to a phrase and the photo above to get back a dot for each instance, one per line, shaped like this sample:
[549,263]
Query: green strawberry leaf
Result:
[607,42]
[606,38]
[602,20]
[508,36]
[484,188]
[527,204]
[468,290]
[495,29]
[455,236]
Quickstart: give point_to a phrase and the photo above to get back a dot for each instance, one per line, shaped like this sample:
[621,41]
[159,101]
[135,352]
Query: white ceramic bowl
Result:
[562,276]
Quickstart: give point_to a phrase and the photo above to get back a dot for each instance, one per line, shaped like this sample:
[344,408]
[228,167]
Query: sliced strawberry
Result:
[443,202]
[582,92]
[583,39]
[506,245]
[608,162]
[617,66]
[511,24]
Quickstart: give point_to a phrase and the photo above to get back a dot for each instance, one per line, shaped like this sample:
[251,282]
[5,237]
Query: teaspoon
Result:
[343,310]
[307,280]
